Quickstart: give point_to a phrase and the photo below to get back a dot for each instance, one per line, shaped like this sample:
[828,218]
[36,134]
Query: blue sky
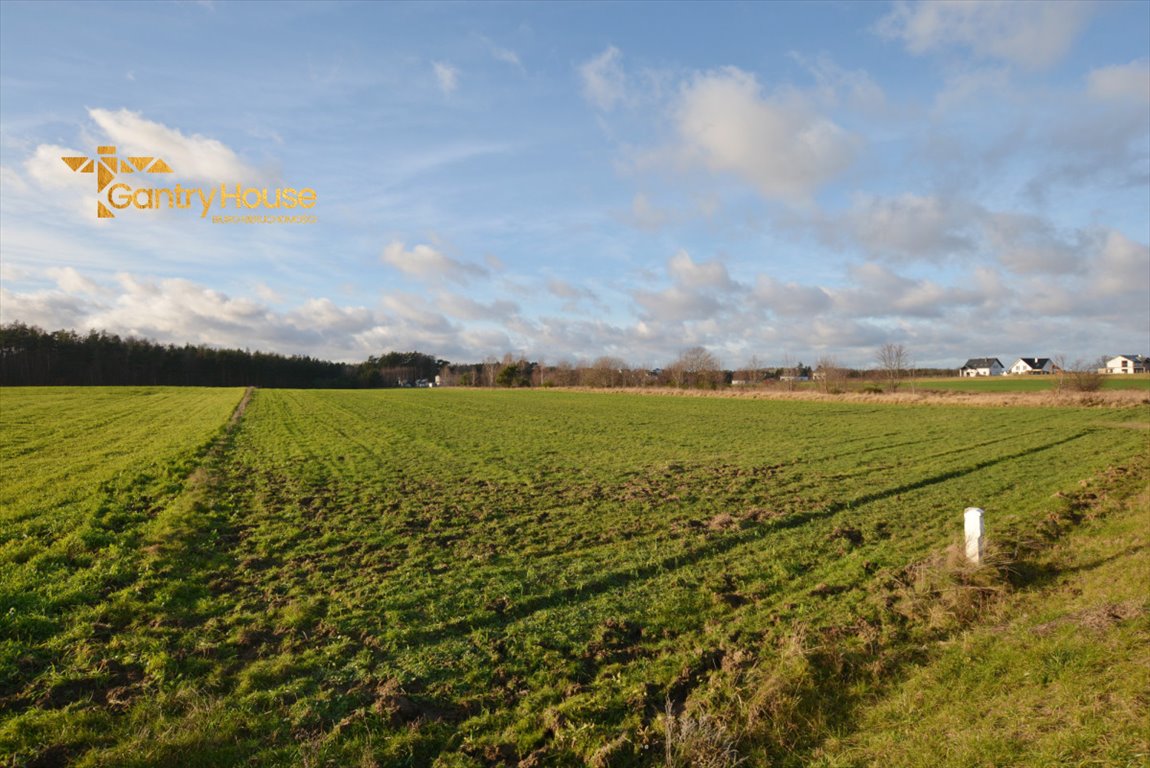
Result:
[565,181]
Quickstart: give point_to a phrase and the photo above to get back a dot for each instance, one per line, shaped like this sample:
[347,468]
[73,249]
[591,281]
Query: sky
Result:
[563,181]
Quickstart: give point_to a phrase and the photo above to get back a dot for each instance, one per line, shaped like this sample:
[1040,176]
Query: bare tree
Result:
[490,369]
[892,361]
[1060,371]
[755,370]
[1086,376]
[789,376]
[563,374]
[608,371]
[696,367]
[830,374]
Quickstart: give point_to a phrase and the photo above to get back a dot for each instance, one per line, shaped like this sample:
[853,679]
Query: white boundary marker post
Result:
[973,525]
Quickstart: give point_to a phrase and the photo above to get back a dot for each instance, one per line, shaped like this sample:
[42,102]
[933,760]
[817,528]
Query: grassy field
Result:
[1138,382]
[470,578]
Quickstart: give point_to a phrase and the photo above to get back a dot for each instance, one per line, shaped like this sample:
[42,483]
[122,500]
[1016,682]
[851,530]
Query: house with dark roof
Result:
[982,366]
[1025,366]
[1127,364]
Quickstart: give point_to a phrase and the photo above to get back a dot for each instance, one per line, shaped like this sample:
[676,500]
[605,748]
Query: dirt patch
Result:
[392,702]
[238,413]
[721,522]
[1098,618]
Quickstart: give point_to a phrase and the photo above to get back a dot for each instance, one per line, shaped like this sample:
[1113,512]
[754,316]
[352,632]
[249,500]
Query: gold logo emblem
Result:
[106,165]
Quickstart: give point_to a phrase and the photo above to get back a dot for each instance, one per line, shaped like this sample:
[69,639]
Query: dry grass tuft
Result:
[698,741]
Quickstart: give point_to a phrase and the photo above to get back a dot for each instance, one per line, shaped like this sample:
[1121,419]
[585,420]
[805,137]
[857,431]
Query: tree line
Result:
[31,356]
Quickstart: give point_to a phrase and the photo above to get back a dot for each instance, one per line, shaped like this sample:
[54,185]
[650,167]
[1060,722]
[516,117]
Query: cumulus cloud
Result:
[879,292]
[71,281]
[1034,35]
[572,295]
[1028,244]
[46,169]
[426,263]
[791,299]
[1120,271]
[446,76]
[685,271]
[46,309]
[604,82]
[194,157]
[677,304]
[172,310]
[779,145]
[1124,82]
[911,227]
[700,291]
[466,308]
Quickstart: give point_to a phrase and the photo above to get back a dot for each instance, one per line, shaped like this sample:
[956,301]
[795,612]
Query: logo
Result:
[106,165]
[120,195]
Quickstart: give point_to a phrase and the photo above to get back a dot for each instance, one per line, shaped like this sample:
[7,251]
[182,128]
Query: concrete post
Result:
[973,520]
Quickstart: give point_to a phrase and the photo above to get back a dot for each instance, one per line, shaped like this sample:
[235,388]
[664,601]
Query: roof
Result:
[982,362]
[1134,358]
[1035,362]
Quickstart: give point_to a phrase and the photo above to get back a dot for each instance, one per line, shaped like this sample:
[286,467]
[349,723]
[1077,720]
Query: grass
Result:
[1056,674]
[483,578]
[1139,382]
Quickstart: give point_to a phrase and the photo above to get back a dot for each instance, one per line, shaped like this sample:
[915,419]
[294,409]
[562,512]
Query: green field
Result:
[1027,383]
[470,578]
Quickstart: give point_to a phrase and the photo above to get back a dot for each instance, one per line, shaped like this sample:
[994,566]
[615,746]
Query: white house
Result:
[1127,364]
[1029,365]
[982,366]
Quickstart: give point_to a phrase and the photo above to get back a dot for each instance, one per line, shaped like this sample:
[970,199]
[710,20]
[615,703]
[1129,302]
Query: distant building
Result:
[982,366]
[1025,366]
[1127,364]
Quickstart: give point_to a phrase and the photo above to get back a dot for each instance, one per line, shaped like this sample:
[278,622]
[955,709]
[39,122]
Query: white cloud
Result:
[192,157]
[50,310]
[1027,244]
[47,169]
[836,84]
[677,304]
[506,55]
[325,316]
[466,308]
[447,76]
[646,216]
[791,299]
[1033,34]
[1124,82]
[700,292]
[911,227]
[878,292]
[71,281]
[604,83]
[572,294]
[778,145]
[1121,272]
[267,293]
[426,263]
[687,273]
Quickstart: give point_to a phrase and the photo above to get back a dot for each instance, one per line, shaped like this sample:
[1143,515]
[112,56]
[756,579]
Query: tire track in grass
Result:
[190,541]
[86,663]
